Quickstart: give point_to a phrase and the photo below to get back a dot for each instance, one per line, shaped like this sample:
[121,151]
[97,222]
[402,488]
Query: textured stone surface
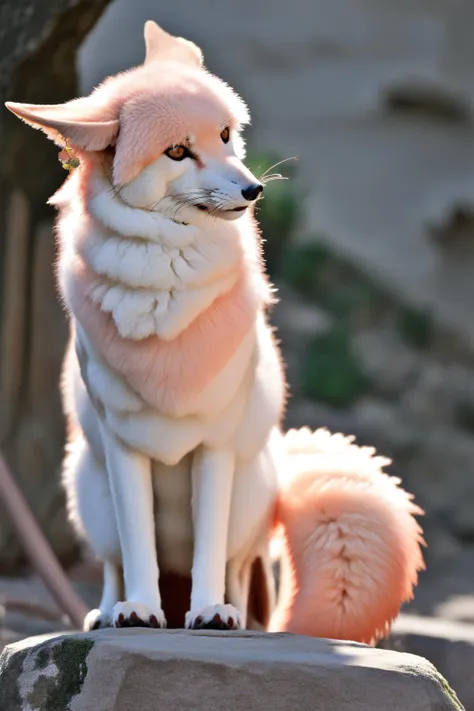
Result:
[446,644]
[28,609]
[116,670]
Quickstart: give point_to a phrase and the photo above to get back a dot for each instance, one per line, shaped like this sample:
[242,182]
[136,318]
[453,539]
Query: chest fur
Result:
[167,374]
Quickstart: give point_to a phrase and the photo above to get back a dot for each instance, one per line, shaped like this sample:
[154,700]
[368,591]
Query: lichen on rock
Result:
[45,677]
[69,657]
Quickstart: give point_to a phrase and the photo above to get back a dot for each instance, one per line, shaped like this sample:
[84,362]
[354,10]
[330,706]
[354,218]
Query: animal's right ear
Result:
[82,124]
[161,45]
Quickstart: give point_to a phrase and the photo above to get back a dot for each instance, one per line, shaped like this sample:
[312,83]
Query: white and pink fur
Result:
[174,388]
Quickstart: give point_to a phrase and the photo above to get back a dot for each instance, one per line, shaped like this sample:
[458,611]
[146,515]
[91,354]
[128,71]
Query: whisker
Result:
[153,205]
[275,165]
[213,200]
[113,188]
[273,176]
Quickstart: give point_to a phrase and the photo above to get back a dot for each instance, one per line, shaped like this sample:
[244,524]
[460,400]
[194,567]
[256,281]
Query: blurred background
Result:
[370,241]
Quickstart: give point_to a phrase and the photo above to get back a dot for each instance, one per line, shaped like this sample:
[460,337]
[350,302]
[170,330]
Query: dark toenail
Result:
[121,618]
[198,621]
[134,617]
[153,621]
[230,622]
[217,619]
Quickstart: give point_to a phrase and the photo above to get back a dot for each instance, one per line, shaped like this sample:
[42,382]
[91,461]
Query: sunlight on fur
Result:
[350,536]
[177,473]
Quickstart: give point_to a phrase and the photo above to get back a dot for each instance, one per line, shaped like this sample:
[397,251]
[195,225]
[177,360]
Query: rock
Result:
[310,413]
[386,426]
[296,318]
[428,98]
[430,389]
[116,670]
[447,645]
[443,545]
[32,590]
[458,608]
[28,608]
[445,587]
[440,475]
[8,637]
[442,393]
[389,362]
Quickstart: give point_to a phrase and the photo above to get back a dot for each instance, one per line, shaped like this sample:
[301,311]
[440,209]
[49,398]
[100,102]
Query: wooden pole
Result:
[38,548]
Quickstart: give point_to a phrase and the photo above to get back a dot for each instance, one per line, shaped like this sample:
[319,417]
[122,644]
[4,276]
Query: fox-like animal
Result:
[177,472]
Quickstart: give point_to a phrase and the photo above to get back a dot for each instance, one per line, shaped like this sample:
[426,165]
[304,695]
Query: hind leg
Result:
[91,512]
[250,582]
[250,585]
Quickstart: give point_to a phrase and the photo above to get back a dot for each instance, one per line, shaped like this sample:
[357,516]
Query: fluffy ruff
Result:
[351,542]
[174,386]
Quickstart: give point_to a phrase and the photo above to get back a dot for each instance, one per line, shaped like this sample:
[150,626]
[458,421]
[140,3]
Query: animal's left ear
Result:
[82,123]
[161,45]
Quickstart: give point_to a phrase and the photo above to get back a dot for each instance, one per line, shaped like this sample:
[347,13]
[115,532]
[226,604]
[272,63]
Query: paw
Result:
[134,614]
[97,620]
[215,617]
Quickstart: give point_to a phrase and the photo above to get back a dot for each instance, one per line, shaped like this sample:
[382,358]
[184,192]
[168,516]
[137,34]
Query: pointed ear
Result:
[76,121]
[161,45]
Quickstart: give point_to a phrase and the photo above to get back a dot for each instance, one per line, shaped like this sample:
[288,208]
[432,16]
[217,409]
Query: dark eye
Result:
[178,152]
[225,134]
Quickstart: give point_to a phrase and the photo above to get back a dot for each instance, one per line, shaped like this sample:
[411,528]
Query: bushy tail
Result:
[352,545]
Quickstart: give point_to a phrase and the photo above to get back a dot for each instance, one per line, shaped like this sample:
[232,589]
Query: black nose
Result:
[252,192]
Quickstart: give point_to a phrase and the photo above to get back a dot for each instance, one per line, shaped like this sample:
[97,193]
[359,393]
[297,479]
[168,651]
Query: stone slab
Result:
[145,670]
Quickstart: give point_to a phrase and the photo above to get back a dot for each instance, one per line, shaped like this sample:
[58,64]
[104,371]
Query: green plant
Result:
[464,416]
[332,372]
[303,266]
[317,273]
[416,327]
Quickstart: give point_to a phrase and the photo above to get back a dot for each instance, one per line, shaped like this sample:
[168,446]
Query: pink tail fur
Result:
[351,543]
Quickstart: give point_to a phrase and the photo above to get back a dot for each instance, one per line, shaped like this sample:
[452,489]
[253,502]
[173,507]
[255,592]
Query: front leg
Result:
[213,474]
[129,475]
